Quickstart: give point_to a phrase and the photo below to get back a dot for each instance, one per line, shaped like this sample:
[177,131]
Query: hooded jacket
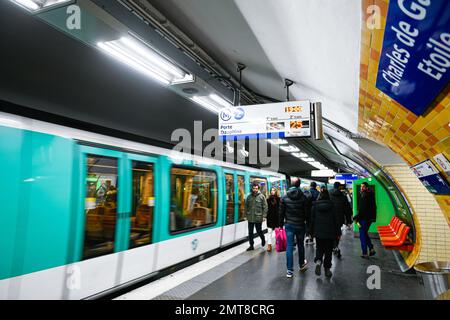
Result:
[293,208]
[341,205]
[324,220]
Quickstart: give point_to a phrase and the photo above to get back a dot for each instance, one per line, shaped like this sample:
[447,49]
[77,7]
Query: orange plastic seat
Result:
[398,239]
[392,224]
[392,231]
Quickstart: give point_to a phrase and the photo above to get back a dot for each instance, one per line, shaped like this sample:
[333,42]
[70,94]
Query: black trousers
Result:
[324,247]
[258,227]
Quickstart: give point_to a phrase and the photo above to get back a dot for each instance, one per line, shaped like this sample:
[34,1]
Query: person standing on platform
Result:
[273,220]
[326,229]
[292,217]
[342,207]
[311,195]
[256,212]
[367,214]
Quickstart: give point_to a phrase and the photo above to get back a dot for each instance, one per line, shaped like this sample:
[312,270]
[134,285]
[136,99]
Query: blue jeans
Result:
[291,232]
[364,236]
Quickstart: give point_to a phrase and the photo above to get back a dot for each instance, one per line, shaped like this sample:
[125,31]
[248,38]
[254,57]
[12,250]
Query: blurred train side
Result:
[42,212]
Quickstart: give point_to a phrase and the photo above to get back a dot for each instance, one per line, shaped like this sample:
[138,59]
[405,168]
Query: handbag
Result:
[280,239]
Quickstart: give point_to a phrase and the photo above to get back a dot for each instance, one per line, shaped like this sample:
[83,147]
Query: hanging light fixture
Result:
[36,5]
[141,57]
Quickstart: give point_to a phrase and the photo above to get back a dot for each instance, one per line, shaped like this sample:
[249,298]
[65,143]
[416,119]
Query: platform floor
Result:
[261,275]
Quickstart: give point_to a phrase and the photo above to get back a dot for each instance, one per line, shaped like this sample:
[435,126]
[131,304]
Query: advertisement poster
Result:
[430,178]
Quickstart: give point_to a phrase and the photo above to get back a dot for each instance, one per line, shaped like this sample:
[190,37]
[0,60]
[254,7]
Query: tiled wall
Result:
[385,121]
[430,223]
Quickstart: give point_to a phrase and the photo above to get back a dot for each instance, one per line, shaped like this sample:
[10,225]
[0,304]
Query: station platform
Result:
[236,274]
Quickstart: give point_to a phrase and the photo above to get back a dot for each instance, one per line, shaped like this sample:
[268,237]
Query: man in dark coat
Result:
[367,214]
[292,217]
[311,196]
[343,209]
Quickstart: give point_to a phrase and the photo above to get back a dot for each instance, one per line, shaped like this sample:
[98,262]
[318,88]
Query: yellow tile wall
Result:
[431,225]
[385,121]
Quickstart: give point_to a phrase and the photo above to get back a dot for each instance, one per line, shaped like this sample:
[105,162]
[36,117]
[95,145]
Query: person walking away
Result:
[311,195]
[343,209]
[326,229]
[292,217]
[273,220]
[367,214]
[256,212]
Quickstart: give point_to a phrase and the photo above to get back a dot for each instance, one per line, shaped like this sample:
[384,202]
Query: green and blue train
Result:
[82,214]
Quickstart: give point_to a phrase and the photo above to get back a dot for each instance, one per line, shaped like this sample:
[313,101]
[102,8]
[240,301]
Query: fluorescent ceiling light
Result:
[207,103]
[138,55]
[300,155]
[220,101]
[322,173]
[290,148]
[316,164]
[277,141]
[35,5]
[309,159]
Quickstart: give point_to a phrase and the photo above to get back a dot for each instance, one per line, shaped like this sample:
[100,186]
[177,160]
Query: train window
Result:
[229,180]
[100,206]
[262,184]
[193,198]
[143,204]
[276,184]
[241,197]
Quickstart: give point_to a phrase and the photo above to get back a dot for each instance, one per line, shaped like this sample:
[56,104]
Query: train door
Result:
[231,207]
[242,190]
[143,210]
[102,215]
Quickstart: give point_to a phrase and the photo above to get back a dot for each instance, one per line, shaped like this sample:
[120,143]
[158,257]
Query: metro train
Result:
[83,214]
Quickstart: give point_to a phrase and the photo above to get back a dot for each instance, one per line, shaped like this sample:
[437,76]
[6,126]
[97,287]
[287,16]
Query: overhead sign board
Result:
[281,120]
[415,59]
[430,177]
[346,176]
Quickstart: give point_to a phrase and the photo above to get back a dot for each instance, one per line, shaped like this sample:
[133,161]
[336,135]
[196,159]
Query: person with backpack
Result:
[325,228]
[292,217]
[311,196]
[343,209]
[273,203]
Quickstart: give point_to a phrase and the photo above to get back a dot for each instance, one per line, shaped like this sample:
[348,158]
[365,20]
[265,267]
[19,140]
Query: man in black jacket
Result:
[292,216]
[343,209]
[367,213]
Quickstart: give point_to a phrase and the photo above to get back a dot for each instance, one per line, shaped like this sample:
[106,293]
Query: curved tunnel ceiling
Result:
[46,70]
[314,43]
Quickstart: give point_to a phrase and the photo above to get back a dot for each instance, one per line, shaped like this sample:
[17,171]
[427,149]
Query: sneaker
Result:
[318,267]
[303,266]
[250,248]
[365,256]
[289,274]
[372,252]
[328,273]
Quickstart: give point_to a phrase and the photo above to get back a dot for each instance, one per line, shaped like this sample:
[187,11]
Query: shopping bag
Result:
[280,239]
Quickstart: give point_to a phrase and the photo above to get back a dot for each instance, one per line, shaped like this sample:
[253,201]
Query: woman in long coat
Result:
[273,203]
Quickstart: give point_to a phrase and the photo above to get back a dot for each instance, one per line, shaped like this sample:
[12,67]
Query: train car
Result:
[82,214]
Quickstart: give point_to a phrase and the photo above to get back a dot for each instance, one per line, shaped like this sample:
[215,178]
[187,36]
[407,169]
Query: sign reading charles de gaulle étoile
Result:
[415,61]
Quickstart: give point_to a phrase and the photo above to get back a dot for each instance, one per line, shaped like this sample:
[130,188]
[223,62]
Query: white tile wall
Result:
[435,232]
